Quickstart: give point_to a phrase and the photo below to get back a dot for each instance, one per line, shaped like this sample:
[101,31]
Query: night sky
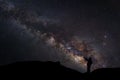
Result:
[32,30]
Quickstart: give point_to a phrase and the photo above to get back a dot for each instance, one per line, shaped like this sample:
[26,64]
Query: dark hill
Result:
[106,73]
[53,70]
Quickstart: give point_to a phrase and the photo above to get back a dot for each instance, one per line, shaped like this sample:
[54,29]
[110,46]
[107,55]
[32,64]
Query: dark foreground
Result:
[53,70]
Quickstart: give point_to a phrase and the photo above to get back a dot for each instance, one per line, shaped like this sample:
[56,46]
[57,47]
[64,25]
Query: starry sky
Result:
[96,22]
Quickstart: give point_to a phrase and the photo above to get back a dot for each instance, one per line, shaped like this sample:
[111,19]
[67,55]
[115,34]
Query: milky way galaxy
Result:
[68,31]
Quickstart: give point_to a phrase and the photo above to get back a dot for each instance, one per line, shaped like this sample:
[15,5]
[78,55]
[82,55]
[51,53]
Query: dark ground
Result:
[53,70]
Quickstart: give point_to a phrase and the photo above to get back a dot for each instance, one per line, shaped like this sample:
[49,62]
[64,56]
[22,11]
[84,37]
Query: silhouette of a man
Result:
[89,63]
